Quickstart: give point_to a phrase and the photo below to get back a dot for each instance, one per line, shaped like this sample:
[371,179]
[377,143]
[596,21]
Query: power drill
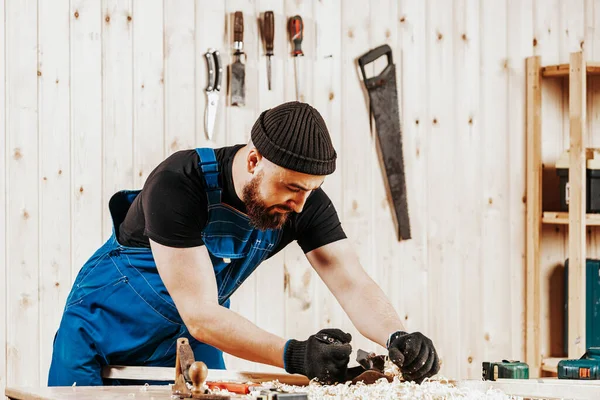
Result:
[587,367]
[505,370]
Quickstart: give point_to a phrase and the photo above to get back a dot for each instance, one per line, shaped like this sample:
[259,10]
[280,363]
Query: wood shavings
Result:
[438,389]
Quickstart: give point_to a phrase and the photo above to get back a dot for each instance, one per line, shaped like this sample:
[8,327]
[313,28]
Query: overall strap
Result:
[210,170]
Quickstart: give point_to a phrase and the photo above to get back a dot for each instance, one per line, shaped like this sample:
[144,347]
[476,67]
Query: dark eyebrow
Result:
[297,186]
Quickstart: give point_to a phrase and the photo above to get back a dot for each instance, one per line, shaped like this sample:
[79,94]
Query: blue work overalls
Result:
[119,312]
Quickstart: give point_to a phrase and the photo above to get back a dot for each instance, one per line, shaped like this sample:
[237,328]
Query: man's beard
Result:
[261,216]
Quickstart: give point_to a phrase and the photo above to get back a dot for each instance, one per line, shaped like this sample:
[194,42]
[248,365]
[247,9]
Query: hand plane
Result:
[187,369]
[370,370]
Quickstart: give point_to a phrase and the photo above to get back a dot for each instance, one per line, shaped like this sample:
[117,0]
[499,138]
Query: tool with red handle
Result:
[296,31]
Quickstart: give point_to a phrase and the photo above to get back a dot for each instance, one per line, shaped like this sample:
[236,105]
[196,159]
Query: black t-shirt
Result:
[172,208]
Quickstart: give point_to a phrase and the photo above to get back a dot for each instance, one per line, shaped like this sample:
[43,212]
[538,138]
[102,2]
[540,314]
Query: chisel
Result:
[238,71]
[269,33]
[296,29]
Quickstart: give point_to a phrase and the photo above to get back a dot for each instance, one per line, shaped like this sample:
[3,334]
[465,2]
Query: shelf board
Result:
[551,364]
[562,218]
[562,70]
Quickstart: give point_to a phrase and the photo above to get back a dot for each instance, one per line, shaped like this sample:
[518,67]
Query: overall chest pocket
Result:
[228,235]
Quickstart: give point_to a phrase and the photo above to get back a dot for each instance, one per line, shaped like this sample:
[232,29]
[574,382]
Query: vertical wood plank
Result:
[210,33]
[271,98]
[55,170]
[572,25]
[327,88]
[148,88]
[241,119]
[520,46]
[441,156]
[592,52]
[495,230]
[179,75]
[239,125]
[270,304]
[357,185]
[86,130]
[300,278]
[117,100]
[304,9]
[552,246]
[210,29]
[468,131]
[412,275]
[577,209]
[383,242]
[533,214]
[23,216]
[571,39]
[588,45]
[3,201]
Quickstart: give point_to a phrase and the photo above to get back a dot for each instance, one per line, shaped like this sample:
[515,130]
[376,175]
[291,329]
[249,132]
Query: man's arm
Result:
[371,312]
[189,277]
[361,298]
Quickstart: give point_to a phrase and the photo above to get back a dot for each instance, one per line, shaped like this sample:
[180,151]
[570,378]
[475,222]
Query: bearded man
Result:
[204,220]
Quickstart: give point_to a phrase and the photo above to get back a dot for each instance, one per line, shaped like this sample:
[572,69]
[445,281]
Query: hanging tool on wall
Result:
[269,35]
[383,97]
[296,31]
[238,71]
[213,89]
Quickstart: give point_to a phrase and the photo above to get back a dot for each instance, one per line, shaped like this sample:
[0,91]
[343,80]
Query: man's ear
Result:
[253,160]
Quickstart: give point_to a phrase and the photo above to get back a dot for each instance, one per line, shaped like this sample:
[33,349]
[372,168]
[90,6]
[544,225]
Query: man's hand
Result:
[414,354]
[324,356]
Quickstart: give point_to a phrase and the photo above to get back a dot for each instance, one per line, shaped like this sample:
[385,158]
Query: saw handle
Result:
[269,31]
[238,27]
[374,55]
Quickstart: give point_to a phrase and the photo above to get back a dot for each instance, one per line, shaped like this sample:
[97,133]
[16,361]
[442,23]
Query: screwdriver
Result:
[269,32]
[296,29]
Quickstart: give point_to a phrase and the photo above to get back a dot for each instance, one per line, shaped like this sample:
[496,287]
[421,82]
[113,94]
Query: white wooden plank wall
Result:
[95,94]
[55,171]
[23,193]
[468,120]
[494,151]
[520,13]
[3,175]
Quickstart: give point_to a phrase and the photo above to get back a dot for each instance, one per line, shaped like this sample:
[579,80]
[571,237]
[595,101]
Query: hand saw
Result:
[238,71]
[383,98]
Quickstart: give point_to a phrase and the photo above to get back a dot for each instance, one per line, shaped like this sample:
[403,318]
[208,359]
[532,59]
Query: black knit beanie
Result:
[294,136]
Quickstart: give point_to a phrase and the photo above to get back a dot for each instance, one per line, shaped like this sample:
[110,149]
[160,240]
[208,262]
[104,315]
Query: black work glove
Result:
[414,354]
[324,356]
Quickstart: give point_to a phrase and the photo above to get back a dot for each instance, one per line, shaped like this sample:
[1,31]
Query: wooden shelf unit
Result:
[562,70]
[576,72]
[551,364]
[562,218]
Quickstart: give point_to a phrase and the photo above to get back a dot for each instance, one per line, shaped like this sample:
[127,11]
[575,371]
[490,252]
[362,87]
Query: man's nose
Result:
[299,201]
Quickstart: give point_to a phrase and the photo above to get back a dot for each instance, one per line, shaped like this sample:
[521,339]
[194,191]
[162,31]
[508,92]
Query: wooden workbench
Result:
[162,392]
[541,388]
[528,389]
[155,392]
